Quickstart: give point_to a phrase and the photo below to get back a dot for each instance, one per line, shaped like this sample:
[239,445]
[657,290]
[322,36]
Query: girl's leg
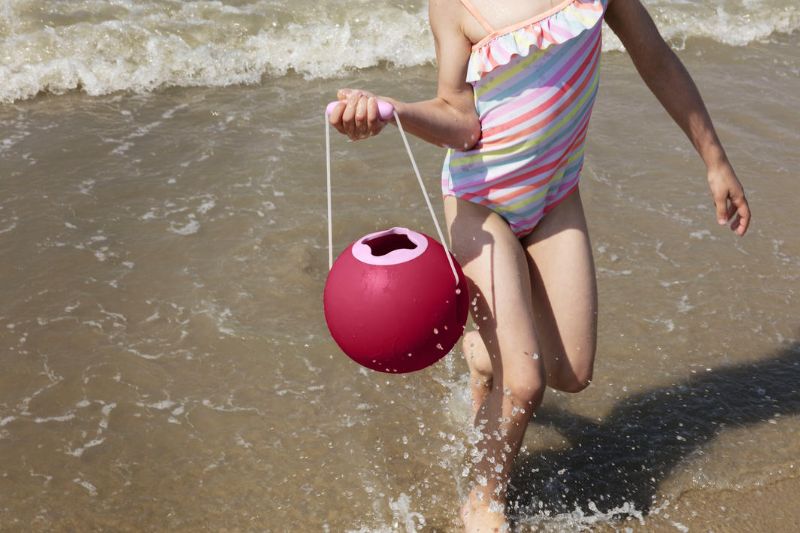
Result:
[480,369]
[564,295]
[497,270]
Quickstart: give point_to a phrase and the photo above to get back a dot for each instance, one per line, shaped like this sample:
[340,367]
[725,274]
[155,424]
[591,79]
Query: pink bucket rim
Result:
[363,252]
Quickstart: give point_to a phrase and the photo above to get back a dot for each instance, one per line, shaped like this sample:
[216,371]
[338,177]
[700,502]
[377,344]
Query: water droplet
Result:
[495,506]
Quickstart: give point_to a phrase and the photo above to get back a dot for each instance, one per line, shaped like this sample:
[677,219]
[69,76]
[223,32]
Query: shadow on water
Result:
[624,457]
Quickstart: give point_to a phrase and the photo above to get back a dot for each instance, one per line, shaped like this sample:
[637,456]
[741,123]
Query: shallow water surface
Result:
[166,363]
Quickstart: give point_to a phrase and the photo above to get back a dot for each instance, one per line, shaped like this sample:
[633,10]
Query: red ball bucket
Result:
[392,303]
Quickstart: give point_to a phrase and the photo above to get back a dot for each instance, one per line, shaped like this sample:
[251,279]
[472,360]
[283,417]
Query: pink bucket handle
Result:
[385,109]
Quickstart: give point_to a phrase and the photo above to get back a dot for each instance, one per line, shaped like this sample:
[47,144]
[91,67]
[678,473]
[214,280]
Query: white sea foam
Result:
[142,45]
[581,520]
[98,439]
[78,452]
[62,418]
[10,227]
[160,405]
[206,206]
[189,228]
[91,489]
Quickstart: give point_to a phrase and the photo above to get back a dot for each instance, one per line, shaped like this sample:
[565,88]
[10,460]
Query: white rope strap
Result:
[419,180]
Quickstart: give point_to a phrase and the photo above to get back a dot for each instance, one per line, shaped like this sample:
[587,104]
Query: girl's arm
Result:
[669,81]
[449,119]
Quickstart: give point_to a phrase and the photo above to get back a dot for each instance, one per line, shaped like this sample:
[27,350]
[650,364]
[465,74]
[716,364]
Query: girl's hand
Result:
[357,114]
[729,198]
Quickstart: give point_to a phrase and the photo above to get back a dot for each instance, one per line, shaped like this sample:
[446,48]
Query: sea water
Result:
[165,361]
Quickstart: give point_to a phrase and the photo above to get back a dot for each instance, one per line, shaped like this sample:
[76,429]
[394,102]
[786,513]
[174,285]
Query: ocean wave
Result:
[104,47]
[734,23]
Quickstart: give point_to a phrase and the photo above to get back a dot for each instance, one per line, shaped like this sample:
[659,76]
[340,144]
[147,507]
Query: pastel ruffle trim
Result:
[565,24]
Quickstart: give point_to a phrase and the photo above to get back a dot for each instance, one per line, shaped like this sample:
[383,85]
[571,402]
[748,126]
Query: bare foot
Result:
[480,368]
[480,516]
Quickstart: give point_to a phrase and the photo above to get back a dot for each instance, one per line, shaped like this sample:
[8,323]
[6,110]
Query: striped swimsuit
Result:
[534,85]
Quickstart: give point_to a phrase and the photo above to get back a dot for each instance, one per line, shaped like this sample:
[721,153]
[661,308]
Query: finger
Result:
[722,211]
[733,218]
[731,211]
[335,117]
[343,94]
[743,219]
[378,124]
[348,118]
[361,118]
[734,197]
[372,115]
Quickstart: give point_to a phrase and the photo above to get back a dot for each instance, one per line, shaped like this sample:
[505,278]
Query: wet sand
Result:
[167,366]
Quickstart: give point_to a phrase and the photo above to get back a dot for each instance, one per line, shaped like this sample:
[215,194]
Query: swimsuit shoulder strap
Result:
[475,13]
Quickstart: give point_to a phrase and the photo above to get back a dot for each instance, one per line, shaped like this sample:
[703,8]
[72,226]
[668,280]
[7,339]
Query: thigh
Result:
[564,294]
[496,267]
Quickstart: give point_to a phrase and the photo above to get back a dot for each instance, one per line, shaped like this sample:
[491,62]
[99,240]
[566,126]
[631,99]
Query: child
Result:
[516,84]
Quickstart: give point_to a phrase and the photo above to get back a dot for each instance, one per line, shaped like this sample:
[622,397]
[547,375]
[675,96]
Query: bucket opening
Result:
[384,244]
[390,247]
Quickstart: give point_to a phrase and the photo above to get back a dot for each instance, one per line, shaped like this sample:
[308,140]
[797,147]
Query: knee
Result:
[471,340]
[575,386]
[525,390]
[576,380]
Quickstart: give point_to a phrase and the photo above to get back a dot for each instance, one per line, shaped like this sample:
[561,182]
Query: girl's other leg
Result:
[564,293]
[497,270]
